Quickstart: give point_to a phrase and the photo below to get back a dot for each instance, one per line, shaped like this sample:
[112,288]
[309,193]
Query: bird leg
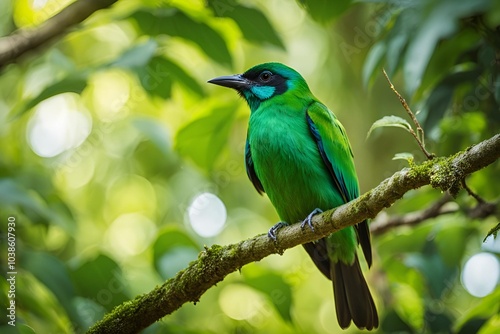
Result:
[308,220]
[272,231]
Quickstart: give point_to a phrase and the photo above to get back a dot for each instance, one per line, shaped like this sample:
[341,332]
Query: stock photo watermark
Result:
[11,270]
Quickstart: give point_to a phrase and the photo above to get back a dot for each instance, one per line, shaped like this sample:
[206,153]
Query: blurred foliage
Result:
[100,217]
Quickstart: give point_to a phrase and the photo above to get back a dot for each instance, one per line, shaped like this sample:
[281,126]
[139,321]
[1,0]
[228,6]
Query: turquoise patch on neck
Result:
[263,92]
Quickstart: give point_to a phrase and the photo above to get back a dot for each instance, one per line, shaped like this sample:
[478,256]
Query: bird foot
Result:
[272,231]
[308,220]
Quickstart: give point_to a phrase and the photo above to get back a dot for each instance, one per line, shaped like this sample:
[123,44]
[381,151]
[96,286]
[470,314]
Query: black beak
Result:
[236,81]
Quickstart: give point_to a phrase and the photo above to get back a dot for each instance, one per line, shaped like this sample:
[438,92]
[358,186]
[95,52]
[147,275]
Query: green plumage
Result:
[298,153]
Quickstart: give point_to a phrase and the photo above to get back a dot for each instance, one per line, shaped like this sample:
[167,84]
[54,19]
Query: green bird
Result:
[298,153]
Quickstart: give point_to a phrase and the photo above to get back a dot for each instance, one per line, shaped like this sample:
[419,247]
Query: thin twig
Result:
[483,208]
[445,205]
[383,222]
[419,136]
[421,144]
[478,198]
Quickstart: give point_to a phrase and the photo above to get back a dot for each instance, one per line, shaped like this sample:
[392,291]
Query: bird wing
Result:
[251,169]
[335,150]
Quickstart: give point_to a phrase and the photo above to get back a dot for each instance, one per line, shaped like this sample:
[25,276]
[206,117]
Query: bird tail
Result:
[353,300]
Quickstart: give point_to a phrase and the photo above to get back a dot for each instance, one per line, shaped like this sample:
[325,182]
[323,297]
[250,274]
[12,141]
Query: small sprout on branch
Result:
[404,156]
[419,135]
[394,121]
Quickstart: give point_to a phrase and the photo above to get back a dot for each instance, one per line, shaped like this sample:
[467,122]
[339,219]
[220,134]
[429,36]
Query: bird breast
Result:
[288,164]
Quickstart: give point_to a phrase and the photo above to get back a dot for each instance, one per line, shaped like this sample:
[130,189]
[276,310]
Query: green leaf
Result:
[399,28]
[137,56]
[12,193]
[325,10]
[101,280]
[496,92]
[392,323]
[74,82]
[471,326]
[175,23]
[438,321]
[247,20]
[277,290]
[438,274]
[203,139]
[134,58]
[37,305]
[486,308]
[494,232]
[404,156]
[450,57]
[451,238]
[398,37]
[46,207]
[172,251]
[492,325]
[156,73]
[409,241]
[155,78]
[441,96]
[372,62]
[51,271]
[408,305]
[436,105]
[393,121]
[18,329]
[166,67]
[440,20]
[155,132]
[460,130]
[90,312]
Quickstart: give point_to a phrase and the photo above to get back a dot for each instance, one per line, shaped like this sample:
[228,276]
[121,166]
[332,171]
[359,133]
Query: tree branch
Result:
[215,263]
[445,205]
[384,222]
[24,40]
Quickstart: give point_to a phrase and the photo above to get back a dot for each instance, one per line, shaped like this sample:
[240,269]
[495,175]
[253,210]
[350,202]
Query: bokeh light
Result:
[31,12]
[240,302]
[110,92]
[60,123]
[481,274]
[129,193]
[207,215]
[129,235]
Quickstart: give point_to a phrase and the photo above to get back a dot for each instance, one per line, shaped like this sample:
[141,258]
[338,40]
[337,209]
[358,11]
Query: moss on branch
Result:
[216,262]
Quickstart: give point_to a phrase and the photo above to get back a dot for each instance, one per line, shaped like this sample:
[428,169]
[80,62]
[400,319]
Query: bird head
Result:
[265,82]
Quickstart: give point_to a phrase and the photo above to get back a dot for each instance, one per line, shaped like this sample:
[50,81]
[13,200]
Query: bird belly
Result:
[290,168]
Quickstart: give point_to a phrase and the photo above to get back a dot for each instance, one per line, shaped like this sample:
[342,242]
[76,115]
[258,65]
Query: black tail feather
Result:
[353,300]
[363,232]
[319,254]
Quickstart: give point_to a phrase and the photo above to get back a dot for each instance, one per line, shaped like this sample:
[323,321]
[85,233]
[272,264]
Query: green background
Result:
[105,219]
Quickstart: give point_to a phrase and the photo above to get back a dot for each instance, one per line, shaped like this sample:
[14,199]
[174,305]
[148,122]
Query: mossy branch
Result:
[24,40]
[215,263]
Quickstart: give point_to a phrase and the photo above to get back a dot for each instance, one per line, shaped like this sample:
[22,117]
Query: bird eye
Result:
[265,76]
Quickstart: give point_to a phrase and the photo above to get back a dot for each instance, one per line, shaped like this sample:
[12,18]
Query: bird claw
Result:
[308,220]
[272,231]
